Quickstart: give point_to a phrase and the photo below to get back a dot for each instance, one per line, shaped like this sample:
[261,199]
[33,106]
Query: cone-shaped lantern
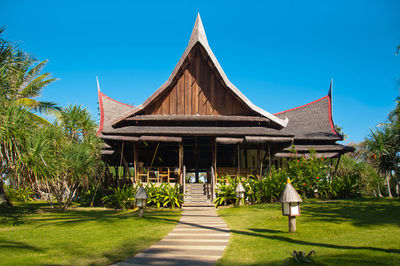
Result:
[240,193]
[141,199]
[290,200]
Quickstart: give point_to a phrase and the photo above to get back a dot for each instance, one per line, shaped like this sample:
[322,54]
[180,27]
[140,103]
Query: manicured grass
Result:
[34,234]
[347,232]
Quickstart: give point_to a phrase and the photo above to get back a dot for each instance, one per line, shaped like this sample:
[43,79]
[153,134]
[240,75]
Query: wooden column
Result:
[180,171]
[196,159]
[258,160]
[261,160]
[245,158]
[269,158]
[214,151]
[238,160]
[135,161]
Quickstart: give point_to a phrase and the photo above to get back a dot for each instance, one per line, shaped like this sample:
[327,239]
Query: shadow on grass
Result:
[315,244]
[7,244]
[360,212]
[276,235]
[72,216]
[335,259]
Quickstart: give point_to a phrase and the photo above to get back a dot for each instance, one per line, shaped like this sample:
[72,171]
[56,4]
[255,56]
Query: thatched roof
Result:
[198,37]
[290,194]
[312,121]
[109,110]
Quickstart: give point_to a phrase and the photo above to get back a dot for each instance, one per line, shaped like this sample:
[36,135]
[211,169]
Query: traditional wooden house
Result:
[198,125]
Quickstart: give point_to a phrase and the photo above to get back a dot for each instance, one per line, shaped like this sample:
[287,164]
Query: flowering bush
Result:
[308,175]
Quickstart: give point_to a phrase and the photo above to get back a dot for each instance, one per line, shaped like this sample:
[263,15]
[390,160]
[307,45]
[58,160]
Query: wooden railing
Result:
[233,172]
[158,175]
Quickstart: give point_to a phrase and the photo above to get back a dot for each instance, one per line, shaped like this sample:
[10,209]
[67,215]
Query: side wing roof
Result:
[312,121]
[109,110]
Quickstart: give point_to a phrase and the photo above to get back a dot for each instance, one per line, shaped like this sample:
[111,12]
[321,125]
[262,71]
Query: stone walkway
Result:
[199,238]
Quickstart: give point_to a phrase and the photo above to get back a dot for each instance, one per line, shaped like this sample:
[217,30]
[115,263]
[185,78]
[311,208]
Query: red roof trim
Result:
[298,107]
[101,95]
[330,117]
[329,112]
[101,113]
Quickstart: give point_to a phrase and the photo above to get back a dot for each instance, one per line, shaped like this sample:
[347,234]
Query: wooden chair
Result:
[153,176]
[143,175]
[164,174]
[173,176]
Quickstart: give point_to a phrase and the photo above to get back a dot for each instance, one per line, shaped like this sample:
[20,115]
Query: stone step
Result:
[198,196]
[187,204]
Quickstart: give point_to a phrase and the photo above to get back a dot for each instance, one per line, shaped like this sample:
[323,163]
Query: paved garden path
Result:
[199,238]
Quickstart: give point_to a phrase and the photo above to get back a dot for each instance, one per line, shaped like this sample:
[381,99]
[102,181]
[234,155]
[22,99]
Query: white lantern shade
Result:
[240,195]
[294,209]
[286,208]
[141,202]
[291,208]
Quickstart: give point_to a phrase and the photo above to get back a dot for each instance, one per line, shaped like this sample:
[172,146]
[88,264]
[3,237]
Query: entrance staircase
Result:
[198,195]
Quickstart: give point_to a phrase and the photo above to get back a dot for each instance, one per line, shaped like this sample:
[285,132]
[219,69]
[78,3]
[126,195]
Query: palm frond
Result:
[34,71]
[34,87]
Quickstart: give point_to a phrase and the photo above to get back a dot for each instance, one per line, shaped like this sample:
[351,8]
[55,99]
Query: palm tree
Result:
[381,146]
[15,129]
[21,80]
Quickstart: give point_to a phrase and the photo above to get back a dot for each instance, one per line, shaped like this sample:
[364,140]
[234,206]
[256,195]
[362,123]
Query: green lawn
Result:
[33,234]
[348,232]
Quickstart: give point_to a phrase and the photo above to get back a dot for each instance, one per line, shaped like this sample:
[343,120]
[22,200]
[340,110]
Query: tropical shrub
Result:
[120,198]
[165,195]
[155,194]
[91,196]
[346,186]
[21,194]
[225,192]
[172,196]
[300,258]
[306,174]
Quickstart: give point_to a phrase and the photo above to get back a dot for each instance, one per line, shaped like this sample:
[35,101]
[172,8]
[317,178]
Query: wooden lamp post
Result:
[290,200]
[240,193]
[141,200]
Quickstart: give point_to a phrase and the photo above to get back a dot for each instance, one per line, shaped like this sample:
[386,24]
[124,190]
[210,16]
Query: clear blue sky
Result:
[280,54]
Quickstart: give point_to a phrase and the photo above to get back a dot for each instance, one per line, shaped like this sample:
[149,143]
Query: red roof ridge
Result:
[329,97]
[101,95]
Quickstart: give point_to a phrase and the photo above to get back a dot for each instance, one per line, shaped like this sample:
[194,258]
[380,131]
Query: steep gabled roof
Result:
[109,110]
[199,37]
[312,121]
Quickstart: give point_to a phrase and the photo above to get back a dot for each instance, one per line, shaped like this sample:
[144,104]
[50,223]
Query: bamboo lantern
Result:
[290,200]
[240,193]
[141,200]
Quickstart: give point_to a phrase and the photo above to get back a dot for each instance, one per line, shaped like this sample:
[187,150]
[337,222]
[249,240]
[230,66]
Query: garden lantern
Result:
[290,200]
[141,199]
[240,192]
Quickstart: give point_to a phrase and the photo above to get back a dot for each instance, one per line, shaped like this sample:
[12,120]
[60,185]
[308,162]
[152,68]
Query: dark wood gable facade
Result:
[198,90]
[198,125]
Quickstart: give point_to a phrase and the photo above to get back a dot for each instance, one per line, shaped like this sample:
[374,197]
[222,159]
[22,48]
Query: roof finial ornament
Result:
[330,89]
[198,33]
[98,85]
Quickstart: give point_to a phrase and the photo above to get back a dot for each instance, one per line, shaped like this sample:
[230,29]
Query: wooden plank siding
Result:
[198,91]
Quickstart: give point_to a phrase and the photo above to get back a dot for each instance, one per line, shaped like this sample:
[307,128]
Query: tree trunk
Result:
[388,186]
[4,201]
[397,182]
[379,192]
